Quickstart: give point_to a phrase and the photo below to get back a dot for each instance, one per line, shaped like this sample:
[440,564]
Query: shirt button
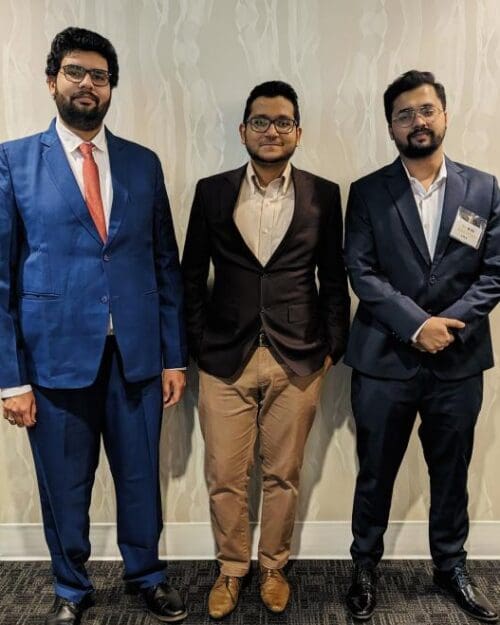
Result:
[104,299]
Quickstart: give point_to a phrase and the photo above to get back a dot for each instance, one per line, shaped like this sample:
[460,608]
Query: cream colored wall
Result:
[186,69]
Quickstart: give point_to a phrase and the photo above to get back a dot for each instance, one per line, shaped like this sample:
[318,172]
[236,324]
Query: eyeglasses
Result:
[76,73]
[283,125]
[406,117]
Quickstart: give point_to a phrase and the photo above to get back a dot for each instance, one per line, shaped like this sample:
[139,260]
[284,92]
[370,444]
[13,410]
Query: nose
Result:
[272,130]
[86,81]
[419,118]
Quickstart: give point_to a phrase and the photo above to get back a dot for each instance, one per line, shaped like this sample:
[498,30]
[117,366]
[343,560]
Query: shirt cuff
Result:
[176,369]
[414,337]
[13,391]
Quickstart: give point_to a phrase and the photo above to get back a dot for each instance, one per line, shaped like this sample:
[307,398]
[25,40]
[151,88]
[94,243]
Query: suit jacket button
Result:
[104,299]
[106,258]
[433,279]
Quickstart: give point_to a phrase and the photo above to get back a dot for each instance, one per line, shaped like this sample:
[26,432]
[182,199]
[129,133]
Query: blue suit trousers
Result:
[66,444]
[385,412]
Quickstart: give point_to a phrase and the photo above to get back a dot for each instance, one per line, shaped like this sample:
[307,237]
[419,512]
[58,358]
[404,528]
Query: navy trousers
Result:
[385,412]
[66,442]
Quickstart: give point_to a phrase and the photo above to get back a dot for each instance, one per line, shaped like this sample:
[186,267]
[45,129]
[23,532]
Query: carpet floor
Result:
[406,594]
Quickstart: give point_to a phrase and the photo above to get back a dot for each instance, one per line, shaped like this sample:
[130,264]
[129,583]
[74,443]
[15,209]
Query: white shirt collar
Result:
[284,180]
[440,178]
[72,141]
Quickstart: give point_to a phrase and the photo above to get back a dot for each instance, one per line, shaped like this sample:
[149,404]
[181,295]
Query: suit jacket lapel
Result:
[64,179]
[453,198]
[119,174]
[400,190]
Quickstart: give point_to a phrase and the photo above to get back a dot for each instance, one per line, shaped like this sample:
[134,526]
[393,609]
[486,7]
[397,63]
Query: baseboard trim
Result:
[311,540]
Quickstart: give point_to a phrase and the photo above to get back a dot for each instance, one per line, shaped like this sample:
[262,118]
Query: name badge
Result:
[468,228]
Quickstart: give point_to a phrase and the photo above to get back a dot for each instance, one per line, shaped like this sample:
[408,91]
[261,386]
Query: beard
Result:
[271,160]
[412,150]
[81,118]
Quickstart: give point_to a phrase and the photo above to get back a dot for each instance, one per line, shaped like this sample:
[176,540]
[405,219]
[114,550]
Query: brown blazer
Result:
[304,323]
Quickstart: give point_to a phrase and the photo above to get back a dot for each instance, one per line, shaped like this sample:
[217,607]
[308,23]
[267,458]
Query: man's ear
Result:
[391,134]
[51,84]
[242,130]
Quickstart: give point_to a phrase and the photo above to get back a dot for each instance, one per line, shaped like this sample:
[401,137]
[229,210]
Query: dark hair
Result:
[406,82]
[71,39]
[273,89]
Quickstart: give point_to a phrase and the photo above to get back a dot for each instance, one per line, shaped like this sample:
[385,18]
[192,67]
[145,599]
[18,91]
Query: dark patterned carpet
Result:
[406,594]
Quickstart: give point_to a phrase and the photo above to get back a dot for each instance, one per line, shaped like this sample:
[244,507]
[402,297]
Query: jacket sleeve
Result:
[482,296]
[333,291]
[168,276]
[397,312]
[195,269]
[12,361]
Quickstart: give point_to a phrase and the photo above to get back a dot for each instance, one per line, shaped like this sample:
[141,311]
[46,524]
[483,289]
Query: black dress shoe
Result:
[467,595]
[65,612]
[362,595]
[165,603]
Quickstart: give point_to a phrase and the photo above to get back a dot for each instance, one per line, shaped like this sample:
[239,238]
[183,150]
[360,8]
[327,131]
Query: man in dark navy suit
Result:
[91,332]
[423,255]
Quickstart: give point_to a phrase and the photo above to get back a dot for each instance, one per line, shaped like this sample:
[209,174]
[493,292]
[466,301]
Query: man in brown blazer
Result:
[265,334]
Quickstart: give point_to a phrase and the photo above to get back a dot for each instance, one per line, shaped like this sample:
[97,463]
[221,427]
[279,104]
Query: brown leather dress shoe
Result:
[274,589]
[224,596]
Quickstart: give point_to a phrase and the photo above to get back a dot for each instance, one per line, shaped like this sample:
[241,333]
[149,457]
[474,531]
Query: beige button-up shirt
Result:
[263,214]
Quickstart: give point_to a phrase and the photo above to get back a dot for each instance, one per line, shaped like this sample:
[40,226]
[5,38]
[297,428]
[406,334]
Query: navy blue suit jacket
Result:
[399,286]
[59,283]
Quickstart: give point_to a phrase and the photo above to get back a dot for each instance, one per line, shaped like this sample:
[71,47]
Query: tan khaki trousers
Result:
[268,399]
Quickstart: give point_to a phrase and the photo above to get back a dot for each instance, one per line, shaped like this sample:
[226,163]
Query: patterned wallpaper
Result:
[186,69]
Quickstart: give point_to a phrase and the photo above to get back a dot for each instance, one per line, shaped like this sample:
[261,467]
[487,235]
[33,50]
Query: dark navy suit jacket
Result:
[58,283]
[399,286]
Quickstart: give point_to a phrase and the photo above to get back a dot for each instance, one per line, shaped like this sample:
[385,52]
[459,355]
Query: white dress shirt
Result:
[264,214]
[430,207]
[71,142]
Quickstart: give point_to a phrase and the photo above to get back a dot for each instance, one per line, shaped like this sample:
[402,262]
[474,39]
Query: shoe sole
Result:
[169,619]
[367,617]
[219,618]
[275,611]
[483,619]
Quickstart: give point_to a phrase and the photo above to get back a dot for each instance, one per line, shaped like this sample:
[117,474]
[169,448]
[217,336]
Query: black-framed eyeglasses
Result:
[406,117]
[283,125]
[76,73]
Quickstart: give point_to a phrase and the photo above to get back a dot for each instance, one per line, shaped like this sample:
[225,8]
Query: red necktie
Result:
[92,189]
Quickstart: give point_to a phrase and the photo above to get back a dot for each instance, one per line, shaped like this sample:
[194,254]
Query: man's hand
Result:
[20,410]
[173,383]
[435,335]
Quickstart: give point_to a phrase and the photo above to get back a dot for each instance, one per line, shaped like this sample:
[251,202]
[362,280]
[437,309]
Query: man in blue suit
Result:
[423,254]
[91,331]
